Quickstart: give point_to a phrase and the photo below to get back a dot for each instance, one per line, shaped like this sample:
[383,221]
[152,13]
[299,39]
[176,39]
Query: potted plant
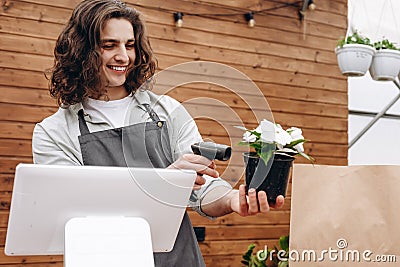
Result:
[277,257]
[386,61]
[354,54]
[268,167]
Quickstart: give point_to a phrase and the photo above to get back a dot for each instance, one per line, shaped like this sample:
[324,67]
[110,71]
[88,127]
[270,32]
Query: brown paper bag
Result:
[345,216]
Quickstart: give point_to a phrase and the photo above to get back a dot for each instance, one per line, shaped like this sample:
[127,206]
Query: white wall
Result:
[381,143]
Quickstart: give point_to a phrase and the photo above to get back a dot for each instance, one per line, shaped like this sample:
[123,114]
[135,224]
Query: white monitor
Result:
[45,197]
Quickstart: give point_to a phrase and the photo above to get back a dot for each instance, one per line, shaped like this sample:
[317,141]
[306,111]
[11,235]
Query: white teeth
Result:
[117,68]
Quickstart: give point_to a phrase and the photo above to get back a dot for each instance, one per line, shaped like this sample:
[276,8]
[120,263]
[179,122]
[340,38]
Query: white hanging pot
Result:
[385,65]
[354,59]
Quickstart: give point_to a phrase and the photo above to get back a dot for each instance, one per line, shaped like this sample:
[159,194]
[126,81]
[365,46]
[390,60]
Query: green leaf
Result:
[243,143]
[267,151]
[284,242]
[355,38]
[307,157]
[295,142]
[247,255]
[257,134]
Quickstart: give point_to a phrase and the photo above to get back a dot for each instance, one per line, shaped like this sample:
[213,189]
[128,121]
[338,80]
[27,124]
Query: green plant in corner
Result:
[251,260]
[282,259]
[277,257]
[355,38]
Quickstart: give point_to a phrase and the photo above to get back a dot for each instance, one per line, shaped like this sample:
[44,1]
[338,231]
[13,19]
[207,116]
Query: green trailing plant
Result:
[277,257]
[282,260]
[355,38]
[385,44]
[249,259]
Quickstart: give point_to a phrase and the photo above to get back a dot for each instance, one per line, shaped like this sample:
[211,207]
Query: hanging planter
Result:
[386,61]
[354,59]
[354,55]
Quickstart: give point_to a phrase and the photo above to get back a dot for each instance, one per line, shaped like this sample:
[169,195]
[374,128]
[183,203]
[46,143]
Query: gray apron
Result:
[141,145]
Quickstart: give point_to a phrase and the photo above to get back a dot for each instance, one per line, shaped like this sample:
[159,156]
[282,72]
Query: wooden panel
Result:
[41,261]
[13,129]
[7,164]
[27,44]
[219,248]
[292,63]
[275,76]
[276,90]
[18,95]
[66,4]
[224,55]
[274,217]
[37,12]
[24,61]
[223,260]
[28,27]
[276,104]
[234,43]
[317,122]
[22,78]
[6,182]
[23,113]
[3,224]
[241,30]
[10,147]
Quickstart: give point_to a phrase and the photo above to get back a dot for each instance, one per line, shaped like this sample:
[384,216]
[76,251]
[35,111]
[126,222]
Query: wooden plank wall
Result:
[293,64]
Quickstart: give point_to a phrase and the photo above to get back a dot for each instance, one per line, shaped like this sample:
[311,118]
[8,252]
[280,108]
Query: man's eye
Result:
[107,46]
[130,46]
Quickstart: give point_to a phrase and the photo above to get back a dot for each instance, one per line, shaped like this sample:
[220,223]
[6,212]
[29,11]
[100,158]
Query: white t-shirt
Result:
[114,111]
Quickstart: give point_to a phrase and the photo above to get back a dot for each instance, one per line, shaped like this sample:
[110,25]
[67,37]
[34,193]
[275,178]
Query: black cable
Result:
[284,5]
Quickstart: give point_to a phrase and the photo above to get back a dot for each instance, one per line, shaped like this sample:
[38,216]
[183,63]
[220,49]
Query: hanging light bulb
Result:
[311,5]
[250,19]
[178,17]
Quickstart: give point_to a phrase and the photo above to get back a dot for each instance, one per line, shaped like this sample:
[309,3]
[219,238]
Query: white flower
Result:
[269,138]
[249,137]
[282,137]
[296,134]
[267,131]
[299,148]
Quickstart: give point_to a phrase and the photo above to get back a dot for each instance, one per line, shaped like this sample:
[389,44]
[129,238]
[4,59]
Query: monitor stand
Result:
[108,241]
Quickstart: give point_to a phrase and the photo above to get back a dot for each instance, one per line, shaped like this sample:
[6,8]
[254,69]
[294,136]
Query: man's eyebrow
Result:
[110,40]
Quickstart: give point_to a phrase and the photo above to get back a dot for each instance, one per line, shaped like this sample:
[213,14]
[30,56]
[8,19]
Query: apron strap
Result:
[153,115]
[83,128]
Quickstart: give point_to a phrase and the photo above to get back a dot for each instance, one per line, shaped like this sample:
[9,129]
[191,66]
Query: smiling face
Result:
[117,53]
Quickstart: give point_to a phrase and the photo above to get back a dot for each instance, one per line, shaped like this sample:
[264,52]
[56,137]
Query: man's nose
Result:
[122,54]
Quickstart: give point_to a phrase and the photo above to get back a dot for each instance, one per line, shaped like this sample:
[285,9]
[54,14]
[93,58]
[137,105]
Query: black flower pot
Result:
[273,178]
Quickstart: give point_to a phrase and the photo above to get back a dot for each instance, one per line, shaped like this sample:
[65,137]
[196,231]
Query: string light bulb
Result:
[178,17]
[250,19]
[311,5]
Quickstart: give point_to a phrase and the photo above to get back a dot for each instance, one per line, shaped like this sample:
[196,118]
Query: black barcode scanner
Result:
[212,150]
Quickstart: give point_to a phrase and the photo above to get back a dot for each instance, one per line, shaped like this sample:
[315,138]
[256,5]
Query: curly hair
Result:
[76,71]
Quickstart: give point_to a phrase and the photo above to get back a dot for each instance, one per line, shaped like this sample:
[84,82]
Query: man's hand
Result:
[200,164]
[253,203]
[222,200]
